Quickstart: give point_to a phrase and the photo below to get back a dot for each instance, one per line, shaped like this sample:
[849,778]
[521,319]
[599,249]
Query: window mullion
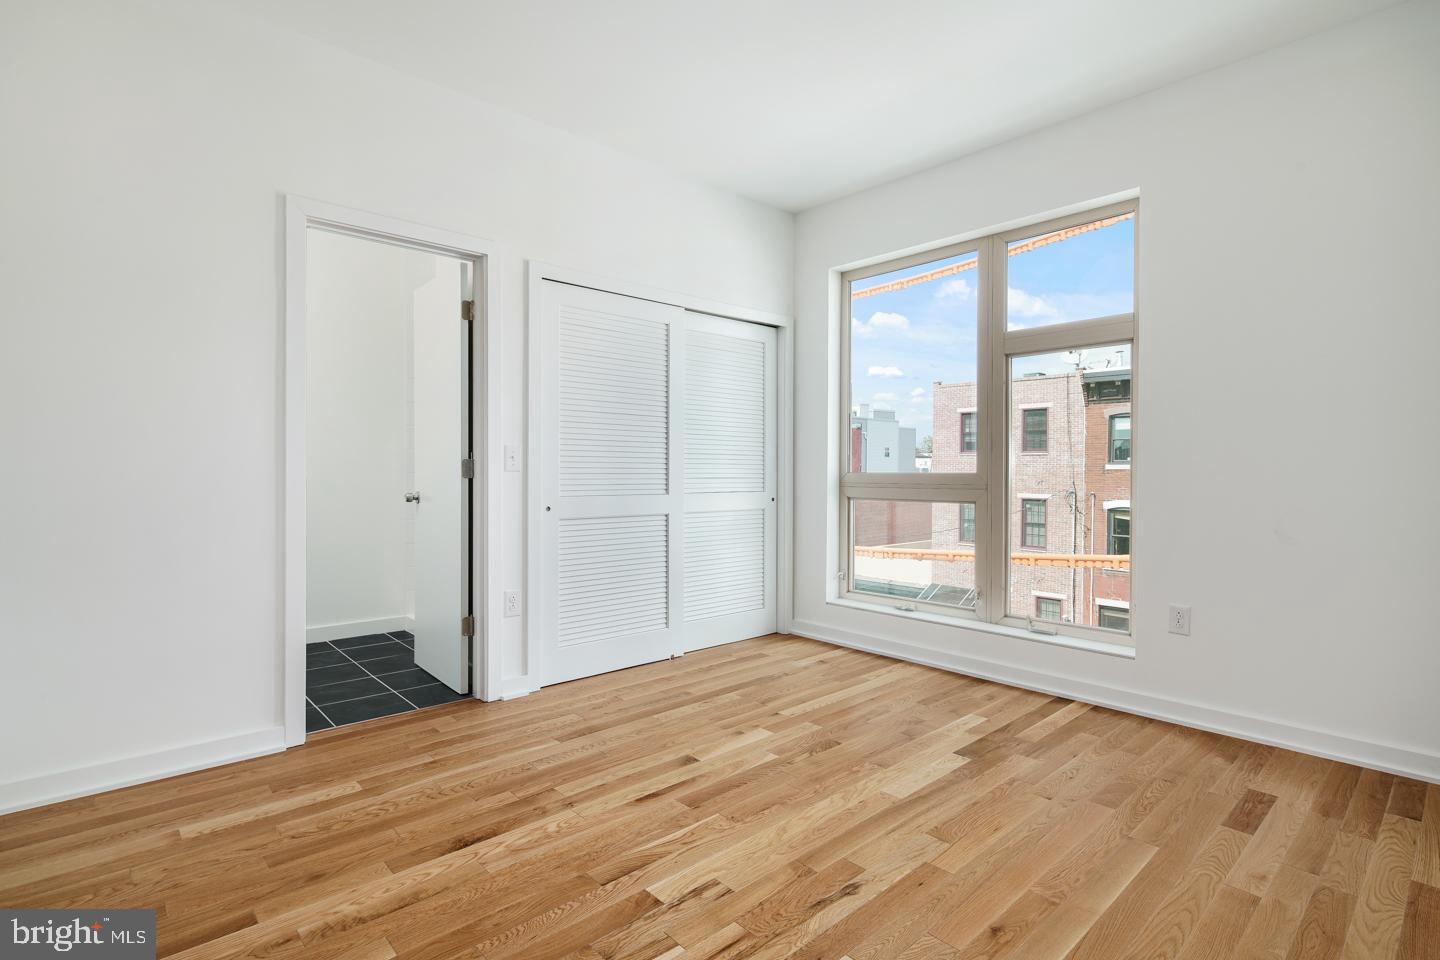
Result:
[992,548]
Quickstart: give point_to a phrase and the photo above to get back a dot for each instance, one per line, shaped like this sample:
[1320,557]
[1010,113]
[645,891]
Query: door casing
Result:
[302,214]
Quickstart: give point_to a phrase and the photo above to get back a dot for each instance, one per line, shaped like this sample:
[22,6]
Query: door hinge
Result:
[467,626]
[467,468]
[467,309]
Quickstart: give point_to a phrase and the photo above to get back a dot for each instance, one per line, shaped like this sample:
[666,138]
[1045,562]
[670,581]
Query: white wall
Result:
[1290,337]
[359,529]
[147,148]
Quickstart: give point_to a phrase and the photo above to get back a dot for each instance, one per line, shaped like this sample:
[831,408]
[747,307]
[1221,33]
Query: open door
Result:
[443,468]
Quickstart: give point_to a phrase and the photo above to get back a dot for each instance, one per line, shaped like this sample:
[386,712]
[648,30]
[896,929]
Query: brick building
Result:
[1069,450]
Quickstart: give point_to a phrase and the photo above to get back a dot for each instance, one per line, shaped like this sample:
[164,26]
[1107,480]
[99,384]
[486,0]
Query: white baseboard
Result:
[1332,746]
[113,774]
[357,628]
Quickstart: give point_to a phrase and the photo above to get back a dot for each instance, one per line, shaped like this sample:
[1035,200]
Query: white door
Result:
[728,436]
[441,389]
[610,541]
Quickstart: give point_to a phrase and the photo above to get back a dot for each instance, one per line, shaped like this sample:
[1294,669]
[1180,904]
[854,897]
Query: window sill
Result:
[1110,649]
[1117,466]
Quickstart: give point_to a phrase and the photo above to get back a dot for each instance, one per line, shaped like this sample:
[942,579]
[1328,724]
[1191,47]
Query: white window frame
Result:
[988,486]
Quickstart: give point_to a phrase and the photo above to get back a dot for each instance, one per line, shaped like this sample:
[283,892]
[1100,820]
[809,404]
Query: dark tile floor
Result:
[361,678]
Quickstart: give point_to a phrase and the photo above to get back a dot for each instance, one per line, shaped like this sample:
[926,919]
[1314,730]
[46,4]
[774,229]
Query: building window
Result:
[1118,524]
[1120,438]
[1033,523]
[1114,618]
[1036,433]
[1039,325]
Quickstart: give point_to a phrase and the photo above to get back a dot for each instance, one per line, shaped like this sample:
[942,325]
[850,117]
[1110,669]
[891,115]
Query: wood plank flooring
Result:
[773,798]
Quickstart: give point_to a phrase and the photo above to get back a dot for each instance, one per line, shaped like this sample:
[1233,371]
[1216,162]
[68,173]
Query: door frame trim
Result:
[536,273]
[302,213]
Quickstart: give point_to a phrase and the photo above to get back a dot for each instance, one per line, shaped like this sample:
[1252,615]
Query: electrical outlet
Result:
[512,603]
[512,458]
[1180,620]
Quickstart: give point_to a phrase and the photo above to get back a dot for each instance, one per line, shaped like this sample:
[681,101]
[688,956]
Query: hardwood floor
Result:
[774,798]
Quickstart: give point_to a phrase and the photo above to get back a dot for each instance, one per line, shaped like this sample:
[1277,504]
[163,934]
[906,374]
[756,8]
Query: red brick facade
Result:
[1069,480]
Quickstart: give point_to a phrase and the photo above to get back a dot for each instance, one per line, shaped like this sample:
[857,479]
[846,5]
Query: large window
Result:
[1008,359]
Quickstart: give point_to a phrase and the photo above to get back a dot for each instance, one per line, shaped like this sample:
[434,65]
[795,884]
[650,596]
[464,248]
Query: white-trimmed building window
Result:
[1013,355]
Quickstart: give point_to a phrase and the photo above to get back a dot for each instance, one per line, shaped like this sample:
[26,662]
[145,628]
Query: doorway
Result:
[386,461]
[388,495]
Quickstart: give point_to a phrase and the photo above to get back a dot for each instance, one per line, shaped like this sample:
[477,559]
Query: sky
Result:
[902,341]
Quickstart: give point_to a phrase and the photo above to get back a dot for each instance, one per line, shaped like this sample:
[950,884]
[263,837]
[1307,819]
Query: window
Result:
[907,550]
[1034,523]
[1114,618]
[1080,271]
[1118,525]
[899,375]
[1120,438]
[1023,338]
[1036,435]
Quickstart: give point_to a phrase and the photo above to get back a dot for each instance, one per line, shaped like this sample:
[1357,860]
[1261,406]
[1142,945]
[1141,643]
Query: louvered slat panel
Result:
[725,414]
[724,563]
[614,574]
[614,380]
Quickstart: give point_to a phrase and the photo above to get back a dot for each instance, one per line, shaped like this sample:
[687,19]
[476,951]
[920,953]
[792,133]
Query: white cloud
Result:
[890,371]
[918,392]
[880,321]
[1031,307]
[957,289]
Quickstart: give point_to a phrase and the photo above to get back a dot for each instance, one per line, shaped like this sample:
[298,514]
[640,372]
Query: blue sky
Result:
[902,341]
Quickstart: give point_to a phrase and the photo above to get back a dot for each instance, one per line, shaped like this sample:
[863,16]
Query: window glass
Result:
[1114,618]
[1077,273]
[1119,524]
[1034,524]
[967,523]
[1120,438]
[913,550]
[967,433]
[1069,505]
[913,343]
[1037,430]
[1047,608]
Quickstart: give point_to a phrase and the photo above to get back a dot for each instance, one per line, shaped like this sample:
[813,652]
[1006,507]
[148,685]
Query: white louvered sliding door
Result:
[728,438]
[657,524]
[610,411]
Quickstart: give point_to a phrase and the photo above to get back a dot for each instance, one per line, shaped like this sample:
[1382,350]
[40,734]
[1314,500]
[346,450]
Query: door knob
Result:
[412,497]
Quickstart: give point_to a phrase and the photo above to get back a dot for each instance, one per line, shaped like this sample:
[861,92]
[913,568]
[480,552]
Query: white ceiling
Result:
[795,102]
